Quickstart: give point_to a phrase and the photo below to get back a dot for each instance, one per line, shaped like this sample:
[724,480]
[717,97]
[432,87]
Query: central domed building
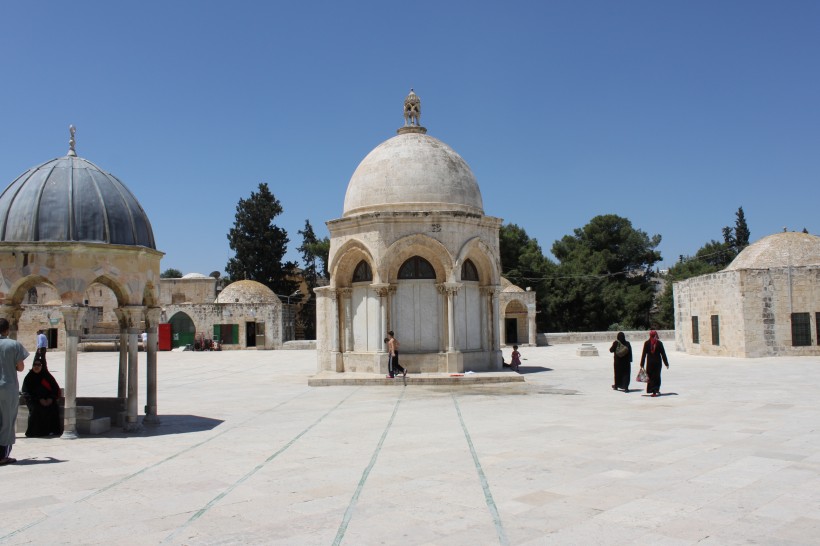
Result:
[413,253]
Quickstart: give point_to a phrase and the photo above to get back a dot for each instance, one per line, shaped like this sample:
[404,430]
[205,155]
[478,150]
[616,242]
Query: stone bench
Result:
[86,422]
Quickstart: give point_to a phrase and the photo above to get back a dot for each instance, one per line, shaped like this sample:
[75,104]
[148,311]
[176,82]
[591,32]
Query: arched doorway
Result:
[183,330]
[515,324]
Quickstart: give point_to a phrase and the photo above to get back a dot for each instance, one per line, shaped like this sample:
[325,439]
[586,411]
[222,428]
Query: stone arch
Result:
[482,256]
[19,290]
[120,292]
[417,245]
[183,329]
[345,261]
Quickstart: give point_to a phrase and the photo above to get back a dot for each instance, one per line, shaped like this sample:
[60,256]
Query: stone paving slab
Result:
[249,453]
[333,379]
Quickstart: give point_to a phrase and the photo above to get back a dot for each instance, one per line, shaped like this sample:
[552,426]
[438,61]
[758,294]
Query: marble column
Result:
[381,290]
[73,316]
[133,316]
[152,317]
[452,290]
[346,295]
[486,311]
[497,319]
[333,295]
[122,371]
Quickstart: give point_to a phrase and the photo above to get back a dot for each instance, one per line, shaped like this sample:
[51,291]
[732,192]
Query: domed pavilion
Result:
[413,253]
[68,225]
[765,303]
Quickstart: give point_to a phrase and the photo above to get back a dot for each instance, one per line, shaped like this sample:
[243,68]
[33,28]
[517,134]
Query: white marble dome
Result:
[412,172]
[789,248]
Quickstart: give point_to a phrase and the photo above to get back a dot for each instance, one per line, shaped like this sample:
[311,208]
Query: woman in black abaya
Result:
[622,362]
[42,396]
[653,354]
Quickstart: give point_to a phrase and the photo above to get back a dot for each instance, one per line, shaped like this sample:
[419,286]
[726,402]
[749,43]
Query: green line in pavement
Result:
[199,513]
[488,496]
[340,534]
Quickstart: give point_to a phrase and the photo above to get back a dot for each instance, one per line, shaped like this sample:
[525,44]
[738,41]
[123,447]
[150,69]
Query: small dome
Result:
[507,286]
[69,199]
[194,276]
[779,250]
[247,292]
[412,172]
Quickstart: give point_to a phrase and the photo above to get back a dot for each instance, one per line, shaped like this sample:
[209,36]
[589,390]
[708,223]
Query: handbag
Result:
[621,350]
[642,378]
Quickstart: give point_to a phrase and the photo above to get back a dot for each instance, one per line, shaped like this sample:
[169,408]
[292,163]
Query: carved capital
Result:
[152,318]
[130,317]
[381,289]
[73,316]
[344,292]
[452,287]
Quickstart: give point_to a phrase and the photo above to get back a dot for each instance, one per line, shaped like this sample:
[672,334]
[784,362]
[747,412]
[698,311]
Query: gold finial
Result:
[71,151]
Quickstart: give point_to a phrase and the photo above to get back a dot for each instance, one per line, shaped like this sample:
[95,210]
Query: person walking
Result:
[42,345]
[622,362]
[653,354]
[393,365]
[12,361]
[515,359]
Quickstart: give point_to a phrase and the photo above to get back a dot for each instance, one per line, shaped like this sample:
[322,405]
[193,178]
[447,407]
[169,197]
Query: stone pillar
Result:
[486,311]
[122,374]
[12,314]
[452,290]
[133,316]
[334,306]
[497,320]
[152,317]
[73,316]
[531,324]
[381,290]
[346,295]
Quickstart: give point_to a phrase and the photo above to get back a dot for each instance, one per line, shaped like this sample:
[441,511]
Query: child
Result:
[515,360]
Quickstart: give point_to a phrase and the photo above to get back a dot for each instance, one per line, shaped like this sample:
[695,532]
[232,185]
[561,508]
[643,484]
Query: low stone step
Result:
[94,426]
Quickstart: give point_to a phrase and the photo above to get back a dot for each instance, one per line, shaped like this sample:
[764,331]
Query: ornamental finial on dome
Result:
[71,142]
[412,115]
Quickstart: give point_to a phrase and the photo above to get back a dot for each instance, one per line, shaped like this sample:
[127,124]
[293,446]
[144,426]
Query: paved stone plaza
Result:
[247,453]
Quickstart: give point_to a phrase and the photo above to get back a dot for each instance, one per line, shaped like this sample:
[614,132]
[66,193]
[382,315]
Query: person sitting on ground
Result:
[42,396]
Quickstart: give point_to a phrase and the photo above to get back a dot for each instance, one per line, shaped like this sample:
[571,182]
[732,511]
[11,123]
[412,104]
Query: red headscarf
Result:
[653,340]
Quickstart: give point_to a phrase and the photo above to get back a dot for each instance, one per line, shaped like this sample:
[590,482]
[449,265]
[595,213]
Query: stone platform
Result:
[329,379]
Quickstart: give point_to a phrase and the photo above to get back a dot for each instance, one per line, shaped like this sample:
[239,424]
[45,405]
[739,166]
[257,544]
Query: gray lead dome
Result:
[69,199]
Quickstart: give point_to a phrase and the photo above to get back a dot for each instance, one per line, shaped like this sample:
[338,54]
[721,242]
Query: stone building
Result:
[765,303]
[76,230]
[414,252]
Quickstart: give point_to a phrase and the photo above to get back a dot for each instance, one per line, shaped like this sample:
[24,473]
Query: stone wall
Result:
[196,290]
[637,336]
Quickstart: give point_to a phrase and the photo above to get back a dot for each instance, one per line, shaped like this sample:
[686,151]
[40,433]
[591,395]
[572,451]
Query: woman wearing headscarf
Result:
[653,354]
[42,396]
[622,364]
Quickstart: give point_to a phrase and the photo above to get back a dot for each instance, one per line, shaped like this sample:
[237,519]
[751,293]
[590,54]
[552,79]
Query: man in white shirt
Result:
[42,345]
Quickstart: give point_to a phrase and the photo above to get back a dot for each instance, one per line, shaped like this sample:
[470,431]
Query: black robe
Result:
[42,420]
[622,366]
[653,365]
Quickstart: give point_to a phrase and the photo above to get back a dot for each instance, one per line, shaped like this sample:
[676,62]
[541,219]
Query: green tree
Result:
[742,232]
[259,244]
[171,273]
[523,263]
[604,277]
[313,250]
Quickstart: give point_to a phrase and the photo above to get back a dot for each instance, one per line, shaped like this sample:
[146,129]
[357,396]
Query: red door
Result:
[164,336]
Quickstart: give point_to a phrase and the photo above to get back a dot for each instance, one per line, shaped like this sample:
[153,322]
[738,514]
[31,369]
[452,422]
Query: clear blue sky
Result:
[672,114]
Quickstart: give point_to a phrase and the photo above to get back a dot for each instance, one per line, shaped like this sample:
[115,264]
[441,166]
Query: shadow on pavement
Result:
[38,460]
[533,369]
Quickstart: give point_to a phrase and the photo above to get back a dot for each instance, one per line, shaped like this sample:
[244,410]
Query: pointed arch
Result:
[484,259]
[345,260]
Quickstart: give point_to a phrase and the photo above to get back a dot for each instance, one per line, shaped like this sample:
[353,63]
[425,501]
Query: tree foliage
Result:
[171,273]
[259,244]
[523,263]
[604,276]
[313,250]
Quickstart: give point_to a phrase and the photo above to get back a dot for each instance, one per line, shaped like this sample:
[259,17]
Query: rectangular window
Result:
[801,329]
[715,330]
[695,331]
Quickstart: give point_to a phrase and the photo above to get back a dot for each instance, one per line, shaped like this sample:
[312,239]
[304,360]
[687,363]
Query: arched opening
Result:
[362,272]
[183,330]
[364,307]
[417,307]
[515,323]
